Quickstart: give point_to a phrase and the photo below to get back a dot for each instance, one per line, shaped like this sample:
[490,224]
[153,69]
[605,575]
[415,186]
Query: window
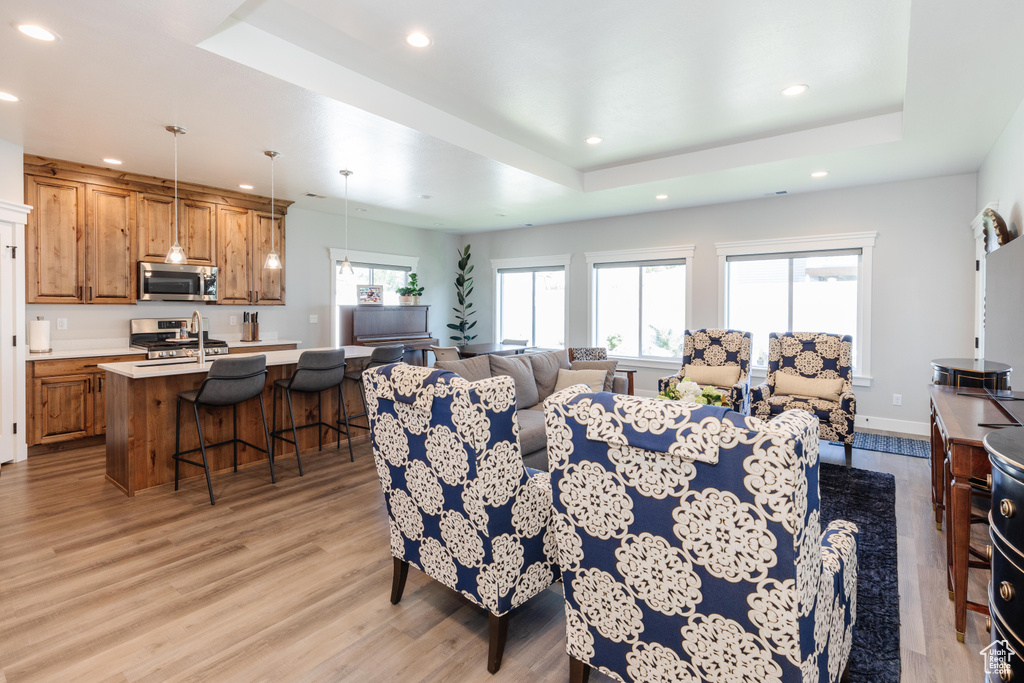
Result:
[391,277]
[529,299]
[640,301]
[531,305]
[771,286]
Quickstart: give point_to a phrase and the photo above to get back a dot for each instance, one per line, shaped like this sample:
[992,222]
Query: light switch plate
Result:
[62,323]
[314,319]
[233,320]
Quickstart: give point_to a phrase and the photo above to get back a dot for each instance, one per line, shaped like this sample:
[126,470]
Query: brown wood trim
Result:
[69,170]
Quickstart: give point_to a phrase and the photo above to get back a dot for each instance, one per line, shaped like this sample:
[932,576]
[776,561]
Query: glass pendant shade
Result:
[346,268]
[176,254]
[273,262]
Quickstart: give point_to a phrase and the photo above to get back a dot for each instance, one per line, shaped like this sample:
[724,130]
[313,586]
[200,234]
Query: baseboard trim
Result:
[886,424]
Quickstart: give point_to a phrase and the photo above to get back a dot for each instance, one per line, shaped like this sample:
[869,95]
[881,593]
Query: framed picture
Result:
[370,295]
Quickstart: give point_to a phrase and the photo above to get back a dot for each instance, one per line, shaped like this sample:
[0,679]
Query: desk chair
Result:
[445,353]
[316,372]
[229,382]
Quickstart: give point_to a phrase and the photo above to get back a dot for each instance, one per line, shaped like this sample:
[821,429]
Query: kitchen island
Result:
[142,398]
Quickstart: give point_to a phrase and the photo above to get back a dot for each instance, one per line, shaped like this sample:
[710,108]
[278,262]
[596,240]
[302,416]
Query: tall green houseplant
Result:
[463,288]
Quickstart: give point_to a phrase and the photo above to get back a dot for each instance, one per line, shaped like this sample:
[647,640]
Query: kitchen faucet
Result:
[197,326]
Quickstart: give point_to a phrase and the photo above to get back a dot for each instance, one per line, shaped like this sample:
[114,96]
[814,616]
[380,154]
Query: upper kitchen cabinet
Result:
[109,257]
[90,226]
[269,289]
[234,271]
[55,241]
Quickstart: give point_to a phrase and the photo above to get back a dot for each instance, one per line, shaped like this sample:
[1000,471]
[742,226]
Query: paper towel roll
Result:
[39,335]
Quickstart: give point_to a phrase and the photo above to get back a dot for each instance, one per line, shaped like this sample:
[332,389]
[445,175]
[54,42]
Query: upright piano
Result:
[389,325]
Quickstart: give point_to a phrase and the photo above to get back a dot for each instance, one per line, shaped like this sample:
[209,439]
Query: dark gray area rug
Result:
[868,499]
[900,445]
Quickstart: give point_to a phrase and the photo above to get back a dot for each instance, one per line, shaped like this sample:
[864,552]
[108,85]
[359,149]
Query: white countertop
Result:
[162,368]
[122,349]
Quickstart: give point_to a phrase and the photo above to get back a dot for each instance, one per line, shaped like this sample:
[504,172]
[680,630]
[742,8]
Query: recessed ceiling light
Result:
[438,225]
[418,40]
[500,215]
[115,162]
[797,89]
[38,32]
[7,97]
[425,196]
[819,174]
[362,210]
[246,187]
[594,140]
[661,196]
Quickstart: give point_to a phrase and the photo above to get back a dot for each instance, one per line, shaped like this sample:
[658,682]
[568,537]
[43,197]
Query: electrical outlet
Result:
[897,399]
[62,323]
[313,319]
[233,320]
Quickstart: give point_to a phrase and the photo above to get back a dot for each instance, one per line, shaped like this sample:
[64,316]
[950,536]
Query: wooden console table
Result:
[967,372]
[958,419]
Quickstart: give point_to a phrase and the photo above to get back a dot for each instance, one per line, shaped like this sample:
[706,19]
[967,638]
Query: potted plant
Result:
[410,294]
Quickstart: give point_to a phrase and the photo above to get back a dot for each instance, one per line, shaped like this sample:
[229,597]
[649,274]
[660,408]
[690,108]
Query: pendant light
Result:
[273,261]
[176,254]
[346,265]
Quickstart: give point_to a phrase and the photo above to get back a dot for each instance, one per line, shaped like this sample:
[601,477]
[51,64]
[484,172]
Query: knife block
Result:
[250,332]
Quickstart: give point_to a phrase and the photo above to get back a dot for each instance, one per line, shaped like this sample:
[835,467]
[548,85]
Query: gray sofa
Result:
[535,376]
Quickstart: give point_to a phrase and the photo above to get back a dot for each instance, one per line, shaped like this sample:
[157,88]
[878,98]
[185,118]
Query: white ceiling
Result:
[491,118]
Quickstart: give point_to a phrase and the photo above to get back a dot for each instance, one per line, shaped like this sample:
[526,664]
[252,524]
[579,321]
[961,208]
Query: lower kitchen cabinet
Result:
[67,398]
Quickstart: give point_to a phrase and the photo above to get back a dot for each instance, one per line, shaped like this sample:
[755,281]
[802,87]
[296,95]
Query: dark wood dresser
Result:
[1006,529]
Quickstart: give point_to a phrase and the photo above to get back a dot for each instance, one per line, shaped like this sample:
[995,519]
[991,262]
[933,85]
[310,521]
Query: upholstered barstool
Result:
[382,355]
[230,381]
[316,372]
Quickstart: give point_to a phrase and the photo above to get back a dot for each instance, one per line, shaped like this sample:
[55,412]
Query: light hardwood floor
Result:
[291,582]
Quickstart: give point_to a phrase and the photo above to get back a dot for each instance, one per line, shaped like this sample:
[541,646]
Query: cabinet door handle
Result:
[90,292]
[88,386]
[99,385]
[257,296]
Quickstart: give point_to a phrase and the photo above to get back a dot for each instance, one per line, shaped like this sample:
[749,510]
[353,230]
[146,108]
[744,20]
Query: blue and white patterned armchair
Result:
[817,356]
[462,507]
[690,544]
[717,348]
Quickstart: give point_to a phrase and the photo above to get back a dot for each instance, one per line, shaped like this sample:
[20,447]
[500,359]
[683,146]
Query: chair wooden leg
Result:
[579,672]
[498,629]
[398,580]
[845,678]
[848,447]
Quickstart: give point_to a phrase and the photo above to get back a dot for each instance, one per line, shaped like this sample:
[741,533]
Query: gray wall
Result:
[12,172]
[923,280]
[310,235]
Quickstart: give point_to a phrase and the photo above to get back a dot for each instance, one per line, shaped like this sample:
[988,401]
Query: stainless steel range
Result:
[164,338]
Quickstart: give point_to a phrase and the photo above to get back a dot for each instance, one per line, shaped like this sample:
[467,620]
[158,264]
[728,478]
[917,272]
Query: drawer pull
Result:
[988,480]
[1007,508]
[1005,672]
[1006,591]
[988,553]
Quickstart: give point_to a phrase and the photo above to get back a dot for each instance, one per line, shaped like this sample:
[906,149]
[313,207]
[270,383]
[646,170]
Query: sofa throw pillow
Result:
[545,370]
[607,365]
[521,372]
[592,378]
[816,387]
[473,369]
[714,375]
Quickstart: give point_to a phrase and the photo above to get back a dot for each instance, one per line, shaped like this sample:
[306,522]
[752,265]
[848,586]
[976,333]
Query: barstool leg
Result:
[338,446]
[177,442]
[319,419]
[348,429]
[362,397]
[202,449]
[295,434]
[266,434]
[234,434]
[273,409]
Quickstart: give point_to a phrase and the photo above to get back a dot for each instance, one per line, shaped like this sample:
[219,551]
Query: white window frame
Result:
[337,255]
[865,241]
[521,262]
[681,251]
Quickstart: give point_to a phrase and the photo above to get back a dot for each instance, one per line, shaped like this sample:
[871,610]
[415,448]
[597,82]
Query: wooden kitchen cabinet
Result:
[109,255]
[67,398]
[234,263]
[198,221]
[55,241]
[154,226]
[269,284]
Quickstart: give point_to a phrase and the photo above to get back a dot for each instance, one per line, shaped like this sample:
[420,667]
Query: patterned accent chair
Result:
[690,544]
[718,348]
[462,507]
[587,353]
[817,356]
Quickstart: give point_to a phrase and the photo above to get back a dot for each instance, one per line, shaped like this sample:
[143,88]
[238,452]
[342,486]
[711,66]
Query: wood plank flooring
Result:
[290,582]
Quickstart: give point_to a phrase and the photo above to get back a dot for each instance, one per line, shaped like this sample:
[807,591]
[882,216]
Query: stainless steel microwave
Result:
[173,282]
